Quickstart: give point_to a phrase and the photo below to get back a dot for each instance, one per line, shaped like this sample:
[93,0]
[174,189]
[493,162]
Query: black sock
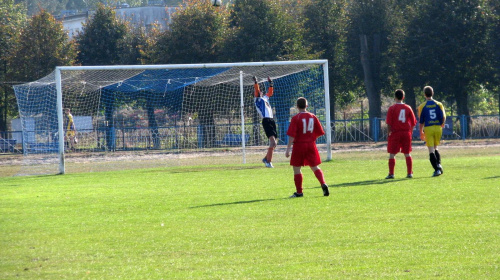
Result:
[438,156]
[432,158]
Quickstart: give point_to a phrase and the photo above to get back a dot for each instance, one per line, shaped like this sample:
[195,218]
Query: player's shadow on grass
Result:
[368,182]
[236,202]
[492,177]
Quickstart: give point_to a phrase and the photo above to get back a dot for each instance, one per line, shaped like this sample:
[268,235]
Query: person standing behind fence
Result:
[400,123]
[266,113]
[70,133]
[432,118]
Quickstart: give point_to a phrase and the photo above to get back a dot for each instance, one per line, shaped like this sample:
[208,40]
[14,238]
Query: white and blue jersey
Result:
[263,107]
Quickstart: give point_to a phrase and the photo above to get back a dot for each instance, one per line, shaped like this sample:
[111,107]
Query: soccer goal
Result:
[195,114]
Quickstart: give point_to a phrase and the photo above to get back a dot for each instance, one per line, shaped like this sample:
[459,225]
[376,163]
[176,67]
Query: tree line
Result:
[57,6]
[373,46]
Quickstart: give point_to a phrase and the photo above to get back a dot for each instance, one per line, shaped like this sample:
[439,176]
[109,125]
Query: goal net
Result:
[162,115]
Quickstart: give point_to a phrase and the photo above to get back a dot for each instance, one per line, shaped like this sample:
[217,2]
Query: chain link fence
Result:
[343,131]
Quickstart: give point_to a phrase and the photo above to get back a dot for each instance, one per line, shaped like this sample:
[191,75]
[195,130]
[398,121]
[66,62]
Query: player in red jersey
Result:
[400,123]
[302,133]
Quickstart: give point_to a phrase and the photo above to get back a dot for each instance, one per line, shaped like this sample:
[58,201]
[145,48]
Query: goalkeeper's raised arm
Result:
[258,92]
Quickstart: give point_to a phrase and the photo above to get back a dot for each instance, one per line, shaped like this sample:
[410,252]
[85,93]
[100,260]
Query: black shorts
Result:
[269,127]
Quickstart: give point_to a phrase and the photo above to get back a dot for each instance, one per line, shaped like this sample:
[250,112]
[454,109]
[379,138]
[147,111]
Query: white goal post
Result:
[179,108]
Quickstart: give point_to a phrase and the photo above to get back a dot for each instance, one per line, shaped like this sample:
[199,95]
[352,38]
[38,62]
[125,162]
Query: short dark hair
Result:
[301,103]
[399,94]
[428,91]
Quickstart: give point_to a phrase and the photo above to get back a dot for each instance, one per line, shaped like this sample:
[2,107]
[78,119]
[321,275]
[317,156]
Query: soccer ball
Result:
[216,3]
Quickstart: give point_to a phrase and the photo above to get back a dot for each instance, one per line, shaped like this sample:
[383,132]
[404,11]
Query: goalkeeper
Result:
[266,113]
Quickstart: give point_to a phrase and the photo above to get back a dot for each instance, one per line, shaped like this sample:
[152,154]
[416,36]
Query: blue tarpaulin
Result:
[163,80]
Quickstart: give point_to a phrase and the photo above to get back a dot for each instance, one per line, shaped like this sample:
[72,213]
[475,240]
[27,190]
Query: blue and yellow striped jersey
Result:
[431,113]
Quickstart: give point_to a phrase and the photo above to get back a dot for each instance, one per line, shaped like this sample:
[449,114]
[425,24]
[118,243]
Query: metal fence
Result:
[196,136]
[456,128]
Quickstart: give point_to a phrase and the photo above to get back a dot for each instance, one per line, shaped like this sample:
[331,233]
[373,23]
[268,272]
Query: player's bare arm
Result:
[422,135]
[289,146]
[444,116]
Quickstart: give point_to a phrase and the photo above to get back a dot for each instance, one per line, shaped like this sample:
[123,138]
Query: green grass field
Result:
[236,222]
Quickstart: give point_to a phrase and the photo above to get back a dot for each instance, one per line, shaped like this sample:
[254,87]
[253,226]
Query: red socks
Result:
[409,165]
[392,164]
[297,178]
[319,175]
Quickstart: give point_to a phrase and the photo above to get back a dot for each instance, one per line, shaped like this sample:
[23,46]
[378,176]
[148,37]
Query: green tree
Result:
[196,35]
[407,54]
[76,5]
[262,30]
[132,46]
[41,47]
[494,44]
[369,29]
[149,51]
[449,43]
[324,23]
[100,39]
[51,6]
[12,20]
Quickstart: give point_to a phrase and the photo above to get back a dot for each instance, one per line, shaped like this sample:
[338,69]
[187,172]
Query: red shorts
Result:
[305,154]
[399,141]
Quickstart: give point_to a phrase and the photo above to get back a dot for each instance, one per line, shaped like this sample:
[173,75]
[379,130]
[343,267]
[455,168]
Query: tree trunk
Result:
[3,109]
[410,99]
[374,102]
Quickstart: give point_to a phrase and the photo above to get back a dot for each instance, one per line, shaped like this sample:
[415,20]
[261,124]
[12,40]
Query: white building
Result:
[74,23]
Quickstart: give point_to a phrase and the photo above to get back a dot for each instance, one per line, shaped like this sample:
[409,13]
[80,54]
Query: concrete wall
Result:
[74,24]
